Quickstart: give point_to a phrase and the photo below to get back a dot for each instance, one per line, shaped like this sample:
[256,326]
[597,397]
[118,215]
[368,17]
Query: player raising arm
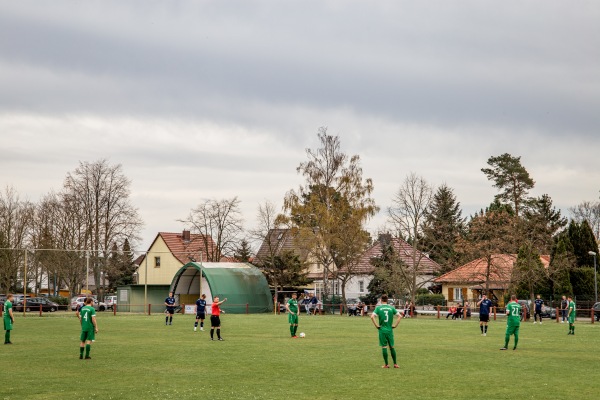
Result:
[215,317]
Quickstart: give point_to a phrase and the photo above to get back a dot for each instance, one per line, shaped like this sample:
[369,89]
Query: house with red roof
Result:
[280,240]
[168,253]
[364,269]
[468,281]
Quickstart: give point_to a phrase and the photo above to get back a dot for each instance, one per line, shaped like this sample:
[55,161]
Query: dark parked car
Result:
[548,312]
[33,304]
[596,308]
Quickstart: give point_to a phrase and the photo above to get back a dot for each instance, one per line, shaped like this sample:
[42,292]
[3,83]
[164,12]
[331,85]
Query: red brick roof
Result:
[475,271]
[182,249]
[403,250]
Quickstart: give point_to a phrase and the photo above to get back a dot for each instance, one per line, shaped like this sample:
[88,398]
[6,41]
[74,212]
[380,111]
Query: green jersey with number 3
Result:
[386,314]
[87,312]
[514,313]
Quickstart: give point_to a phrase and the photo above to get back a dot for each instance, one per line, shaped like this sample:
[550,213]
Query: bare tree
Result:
[408,215]
[16,219]
[220,220]
[282,265]
[588,211]
[100,193]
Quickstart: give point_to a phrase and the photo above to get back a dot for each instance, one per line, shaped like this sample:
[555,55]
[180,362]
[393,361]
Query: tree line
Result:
[94,222]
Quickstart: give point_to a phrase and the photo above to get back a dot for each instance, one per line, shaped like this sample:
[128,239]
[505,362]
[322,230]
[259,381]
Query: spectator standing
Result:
[312,304]
[564,304]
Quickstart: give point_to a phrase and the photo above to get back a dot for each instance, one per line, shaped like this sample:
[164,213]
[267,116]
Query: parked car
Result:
[78,301]
[34,303]
[596,308]
[110,301]
[548,312]
[18,298]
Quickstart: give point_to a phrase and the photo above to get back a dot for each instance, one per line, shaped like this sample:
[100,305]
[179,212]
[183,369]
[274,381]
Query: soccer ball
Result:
[302,334]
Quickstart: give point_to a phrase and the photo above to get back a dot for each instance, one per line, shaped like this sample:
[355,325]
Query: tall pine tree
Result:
[561,263]
[443,226]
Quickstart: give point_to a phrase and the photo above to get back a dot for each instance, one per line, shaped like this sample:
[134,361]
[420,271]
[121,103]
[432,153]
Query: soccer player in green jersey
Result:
[293,312]
[89,327]
[571,315]
[513,321]
[9,318]
[382,319]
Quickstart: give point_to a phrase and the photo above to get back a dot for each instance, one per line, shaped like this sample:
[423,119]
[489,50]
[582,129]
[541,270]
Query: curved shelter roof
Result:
[244,285]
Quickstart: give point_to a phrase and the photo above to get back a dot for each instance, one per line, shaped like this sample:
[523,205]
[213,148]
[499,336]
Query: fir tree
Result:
[443,226]
[243,253]
[561,262]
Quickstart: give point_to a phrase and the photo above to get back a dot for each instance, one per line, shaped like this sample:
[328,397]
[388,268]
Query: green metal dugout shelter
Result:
[244,286]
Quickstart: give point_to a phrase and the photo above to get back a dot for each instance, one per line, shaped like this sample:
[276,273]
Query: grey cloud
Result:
[424,64]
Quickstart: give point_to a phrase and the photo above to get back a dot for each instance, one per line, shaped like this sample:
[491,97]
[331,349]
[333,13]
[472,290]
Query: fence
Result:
[321,309]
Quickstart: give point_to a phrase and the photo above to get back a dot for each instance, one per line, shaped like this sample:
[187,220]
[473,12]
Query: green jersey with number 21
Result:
[514,313]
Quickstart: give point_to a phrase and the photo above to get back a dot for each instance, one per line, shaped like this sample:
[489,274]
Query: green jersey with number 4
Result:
[513,310]
[87,312]
[386,314]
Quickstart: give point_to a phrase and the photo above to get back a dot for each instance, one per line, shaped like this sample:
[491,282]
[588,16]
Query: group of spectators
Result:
[311,304]
[458,311]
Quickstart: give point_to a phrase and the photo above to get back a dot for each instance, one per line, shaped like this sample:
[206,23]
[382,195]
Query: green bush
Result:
[433,299]
[62,301]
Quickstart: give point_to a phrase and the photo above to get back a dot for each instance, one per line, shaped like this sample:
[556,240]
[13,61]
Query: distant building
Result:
[168,253]
[357,286]
[467,282]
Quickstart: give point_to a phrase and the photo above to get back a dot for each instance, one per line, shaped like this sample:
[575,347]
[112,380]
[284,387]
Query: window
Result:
[361,286]
[458,293]
[156,262]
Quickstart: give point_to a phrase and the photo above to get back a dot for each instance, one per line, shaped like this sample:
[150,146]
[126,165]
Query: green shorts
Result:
[571,319]
[293,319]
[512,329]
[386,338]
[8,325]
[87,335]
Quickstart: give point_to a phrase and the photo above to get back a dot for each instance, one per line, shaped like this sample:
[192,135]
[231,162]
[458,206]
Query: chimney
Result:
[186,236]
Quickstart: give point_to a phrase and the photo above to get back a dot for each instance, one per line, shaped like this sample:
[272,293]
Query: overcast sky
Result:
[215,99]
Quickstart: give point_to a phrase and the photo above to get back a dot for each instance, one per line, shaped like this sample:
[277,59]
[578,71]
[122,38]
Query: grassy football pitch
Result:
[138,357]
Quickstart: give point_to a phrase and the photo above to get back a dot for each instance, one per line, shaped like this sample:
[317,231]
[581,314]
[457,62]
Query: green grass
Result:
[138,357]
